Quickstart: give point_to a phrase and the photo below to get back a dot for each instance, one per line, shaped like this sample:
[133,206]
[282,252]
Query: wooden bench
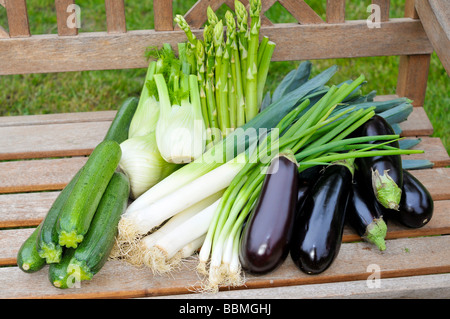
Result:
[39,154]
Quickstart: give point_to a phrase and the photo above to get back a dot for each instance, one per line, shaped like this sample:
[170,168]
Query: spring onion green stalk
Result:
[180,129]
[142,162]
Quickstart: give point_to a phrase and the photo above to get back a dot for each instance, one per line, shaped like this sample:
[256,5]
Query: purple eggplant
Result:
[305,180]
[384,174]
[265,238]
[364,214]
[416,206]
[318,228]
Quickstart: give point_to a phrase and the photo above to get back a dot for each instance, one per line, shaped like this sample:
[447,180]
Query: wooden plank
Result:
[51,140]
[418,124]
[410,10]
[301,11]
[51,135]
[53,174]
[10,243]
[335,11]
[100,50]
[163,15]
[12,239]
[406,257]
[115,16]
[438,225]
[436,180]
[16,11]
[61,17]
[434,152]
[417,287]
[57,118]
[413,69]
[384,6]
[413,77]
[434,16]
[3,33]
[25,209]
[38,175]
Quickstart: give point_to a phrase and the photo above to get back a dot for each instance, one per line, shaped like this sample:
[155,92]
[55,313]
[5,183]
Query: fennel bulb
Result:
[146,117]
[147,113]
[142,162]
[180,131]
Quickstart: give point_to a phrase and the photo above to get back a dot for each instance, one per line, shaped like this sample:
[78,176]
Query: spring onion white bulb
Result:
[143,164]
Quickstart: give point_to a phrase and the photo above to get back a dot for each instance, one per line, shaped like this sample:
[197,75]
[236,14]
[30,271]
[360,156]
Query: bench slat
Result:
[52,140]
[418,287]
[105,51]
[57,118]
[38,175]
[434,151]
[76,134]
[25,209]
[54,174]
[12,239]
[406,257]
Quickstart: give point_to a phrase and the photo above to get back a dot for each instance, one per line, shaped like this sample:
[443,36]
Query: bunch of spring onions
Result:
[315,135]
[232,68]
[205,203]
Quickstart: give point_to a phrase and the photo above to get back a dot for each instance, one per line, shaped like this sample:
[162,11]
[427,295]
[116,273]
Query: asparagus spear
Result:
[251,100]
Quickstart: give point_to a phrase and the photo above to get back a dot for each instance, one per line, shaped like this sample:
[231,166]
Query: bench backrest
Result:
[310,38]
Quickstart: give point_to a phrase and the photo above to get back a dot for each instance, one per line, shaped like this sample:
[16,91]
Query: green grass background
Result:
[104,90]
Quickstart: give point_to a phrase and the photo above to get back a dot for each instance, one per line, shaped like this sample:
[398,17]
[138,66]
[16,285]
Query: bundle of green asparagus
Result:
[231,66]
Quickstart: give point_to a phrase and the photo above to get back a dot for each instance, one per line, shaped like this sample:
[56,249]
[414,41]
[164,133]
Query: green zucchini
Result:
[118,130]
[28,258]
[47,242]
[77,213]
[94,250]
[60,275]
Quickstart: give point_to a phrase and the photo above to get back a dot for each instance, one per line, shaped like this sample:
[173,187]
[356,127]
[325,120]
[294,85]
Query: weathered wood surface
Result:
[29,187]
[55,135]
[417,287]
[11,239]
[435,17]
[405,257]
[115,16]
[102,50]
[61,18]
